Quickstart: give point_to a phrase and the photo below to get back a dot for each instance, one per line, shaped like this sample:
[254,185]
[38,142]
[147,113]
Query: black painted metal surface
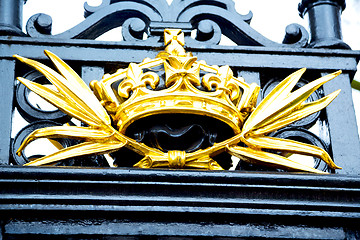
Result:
[324,22]
[130,202]
[127,203]
[11,17]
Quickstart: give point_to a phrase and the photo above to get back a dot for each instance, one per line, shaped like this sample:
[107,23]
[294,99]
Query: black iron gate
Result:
[117,203]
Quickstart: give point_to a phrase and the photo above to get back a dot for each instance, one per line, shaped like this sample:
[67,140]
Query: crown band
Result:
[181,103]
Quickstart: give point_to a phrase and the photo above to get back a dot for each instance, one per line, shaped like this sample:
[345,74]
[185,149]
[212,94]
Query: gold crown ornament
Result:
[189,87]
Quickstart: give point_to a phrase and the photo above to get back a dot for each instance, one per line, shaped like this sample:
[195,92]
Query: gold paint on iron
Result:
[227,98]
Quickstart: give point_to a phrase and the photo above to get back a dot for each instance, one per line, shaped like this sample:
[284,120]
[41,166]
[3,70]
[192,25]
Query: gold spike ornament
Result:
[108,112]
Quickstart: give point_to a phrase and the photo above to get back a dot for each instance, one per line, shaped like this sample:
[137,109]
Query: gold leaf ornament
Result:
[108,112]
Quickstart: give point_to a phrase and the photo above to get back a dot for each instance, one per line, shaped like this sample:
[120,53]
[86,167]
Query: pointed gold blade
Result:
[305,110]
[269,159]
[293,101]
[292,147]
[59,101]
[78,150]
[278,94]
[61,83]
[83,90]
[73,132]
[205,162]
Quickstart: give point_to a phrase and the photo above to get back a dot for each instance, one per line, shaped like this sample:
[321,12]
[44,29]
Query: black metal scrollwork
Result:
[23,158]
[207,32]
[305,122]
[33,112]
[305,136]
[40,23]
[40,117]
[297,134]
[133,29]
[210,19]
[23,133]
[184,132]
[99,22]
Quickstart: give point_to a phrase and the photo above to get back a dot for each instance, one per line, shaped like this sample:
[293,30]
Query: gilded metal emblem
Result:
[189,87]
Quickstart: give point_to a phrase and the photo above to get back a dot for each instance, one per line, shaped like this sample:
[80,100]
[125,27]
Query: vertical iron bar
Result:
[342,126]
[7,73]
[89,73]
[324,18]
[11,17]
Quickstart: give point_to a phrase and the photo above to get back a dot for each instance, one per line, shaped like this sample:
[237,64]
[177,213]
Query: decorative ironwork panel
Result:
[91,196]
[150,18]
[164,118]
[139,18]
